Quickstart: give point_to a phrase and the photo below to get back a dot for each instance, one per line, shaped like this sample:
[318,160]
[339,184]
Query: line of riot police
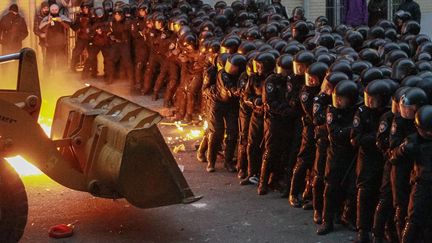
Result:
[337,119]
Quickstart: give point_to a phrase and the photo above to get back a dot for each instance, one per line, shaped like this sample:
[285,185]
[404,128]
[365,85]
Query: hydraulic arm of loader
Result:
[103,144]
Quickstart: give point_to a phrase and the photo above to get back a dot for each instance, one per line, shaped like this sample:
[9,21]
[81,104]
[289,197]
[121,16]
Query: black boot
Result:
[212,152]
[295,201]
[362,237]
[317,217]
[264,177]
[377,239]
[325,228]
[201,151]
[230,146]
[410,233]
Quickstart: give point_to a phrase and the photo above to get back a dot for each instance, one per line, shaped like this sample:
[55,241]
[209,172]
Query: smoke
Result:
[53,86]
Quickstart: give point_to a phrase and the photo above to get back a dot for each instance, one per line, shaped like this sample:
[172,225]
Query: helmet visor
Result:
[326,88]
[299,68]
[371,101]
[340,102]
[311,80]
[231,69]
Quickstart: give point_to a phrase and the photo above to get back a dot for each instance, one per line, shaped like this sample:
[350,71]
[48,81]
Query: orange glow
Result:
[23,167]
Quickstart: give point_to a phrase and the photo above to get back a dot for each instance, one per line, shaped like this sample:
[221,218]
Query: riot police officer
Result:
[224,113]
[339,176]
[402,127]
[141,48]
[81,26]
[370,161]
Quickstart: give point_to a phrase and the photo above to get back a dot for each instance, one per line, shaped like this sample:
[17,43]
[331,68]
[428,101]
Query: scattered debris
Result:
[179,148]
[62,230]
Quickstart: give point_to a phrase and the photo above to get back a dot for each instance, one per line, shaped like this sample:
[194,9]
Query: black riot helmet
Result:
[370,75]
[393,56]
[410,27]
[264,63]
[299,30]
[411,81]
[229,45]
[423,122]
[342,66]
[292,49]
[386,24]
[245,47]
[354,39]
[253,34]
[386,48]
[298,13]
[236,64]
[315,74]
[301,62]
[377,94]
[341,29]
[396,98]
[327,40]
[386,70]
[391,34]
[370,55]
[280,45]
[270,31]
[363,30]
[219,5]
[426,86]
[420,39]
[411,101]
[321,21]
[376,32]
[331,80]
[325,58]
[423,66]
[402,68]
[221,61]
[345,94]
[360,65]
[423,56]
[284,65]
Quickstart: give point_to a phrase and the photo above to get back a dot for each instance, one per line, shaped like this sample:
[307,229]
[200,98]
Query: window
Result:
[335,11]
[393,5]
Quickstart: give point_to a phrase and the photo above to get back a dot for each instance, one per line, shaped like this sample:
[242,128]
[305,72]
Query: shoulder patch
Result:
[315,108]
[329,118]
[172,46]
[304,97]
[356,121]
[289,87]
[269,87]
[393,128]
[163,36]
[382,127]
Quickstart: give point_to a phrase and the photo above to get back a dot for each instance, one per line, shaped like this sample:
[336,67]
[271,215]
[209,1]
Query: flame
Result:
[22,166]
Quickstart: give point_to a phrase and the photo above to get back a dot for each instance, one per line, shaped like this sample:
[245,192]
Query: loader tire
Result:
[13,204]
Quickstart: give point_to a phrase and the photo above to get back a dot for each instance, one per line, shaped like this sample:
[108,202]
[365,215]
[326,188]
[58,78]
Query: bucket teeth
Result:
[120,150]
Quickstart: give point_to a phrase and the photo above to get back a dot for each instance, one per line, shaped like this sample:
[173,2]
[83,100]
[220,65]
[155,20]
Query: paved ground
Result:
[227,213]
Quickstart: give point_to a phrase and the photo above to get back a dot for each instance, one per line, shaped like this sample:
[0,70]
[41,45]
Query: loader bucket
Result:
[117,145]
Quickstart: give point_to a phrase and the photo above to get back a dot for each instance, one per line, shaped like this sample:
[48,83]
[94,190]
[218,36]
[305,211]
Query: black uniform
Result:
[401,170]
[370,163]
[245,113]
[155,60]
[141,49]
[384,212]
[419,150]
[99,42]
[223,116]
[13,30]
[120,49]
[81,26]
[280,109]
[306,155]
[339,181]
[413,8]
[253,98]
[321,137]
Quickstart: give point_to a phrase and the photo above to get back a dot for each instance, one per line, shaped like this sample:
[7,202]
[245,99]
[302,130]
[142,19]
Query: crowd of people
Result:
[336,118]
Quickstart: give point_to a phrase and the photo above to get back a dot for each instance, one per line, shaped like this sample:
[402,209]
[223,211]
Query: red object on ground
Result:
[61,231]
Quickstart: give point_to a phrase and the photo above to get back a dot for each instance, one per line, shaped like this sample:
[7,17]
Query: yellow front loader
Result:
[100,143]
